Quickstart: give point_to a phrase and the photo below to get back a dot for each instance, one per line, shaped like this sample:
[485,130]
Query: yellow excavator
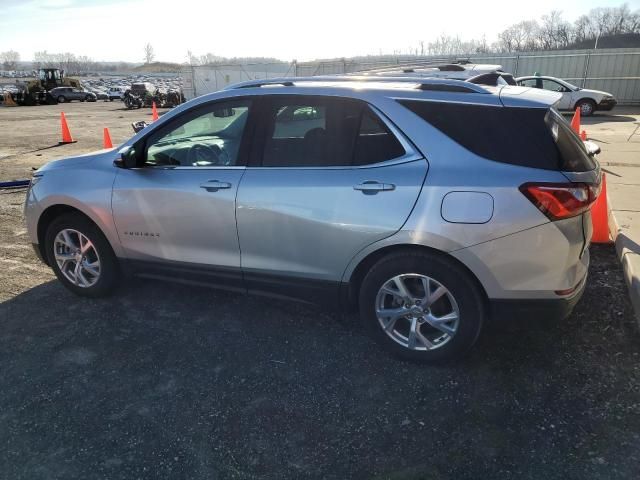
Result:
[36,91]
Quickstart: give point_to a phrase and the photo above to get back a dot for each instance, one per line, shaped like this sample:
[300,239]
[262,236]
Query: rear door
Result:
[328,176]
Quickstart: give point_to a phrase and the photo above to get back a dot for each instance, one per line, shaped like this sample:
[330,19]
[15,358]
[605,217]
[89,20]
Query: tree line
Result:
[550,32]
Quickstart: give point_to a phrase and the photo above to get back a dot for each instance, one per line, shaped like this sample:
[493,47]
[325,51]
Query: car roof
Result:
[419,88]
[542,77]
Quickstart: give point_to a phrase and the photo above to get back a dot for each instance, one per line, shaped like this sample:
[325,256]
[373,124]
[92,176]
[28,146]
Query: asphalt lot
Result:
[168,381]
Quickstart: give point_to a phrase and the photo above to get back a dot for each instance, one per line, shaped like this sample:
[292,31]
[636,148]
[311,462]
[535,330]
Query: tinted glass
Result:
[321,132]
[208,138]
[375,143]
[310,131]
[518,136]
[573,154]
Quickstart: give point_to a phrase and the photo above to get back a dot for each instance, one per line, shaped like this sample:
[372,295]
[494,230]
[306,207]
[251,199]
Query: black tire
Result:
[587,107]
[110,99]
[461,284]
[109,268]
[61,99]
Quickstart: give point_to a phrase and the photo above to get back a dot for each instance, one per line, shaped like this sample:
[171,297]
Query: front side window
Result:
[531,83]
[325,132]
[553,86]
[209,138]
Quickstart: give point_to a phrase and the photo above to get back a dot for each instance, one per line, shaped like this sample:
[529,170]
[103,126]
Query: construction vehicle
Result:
[36,91]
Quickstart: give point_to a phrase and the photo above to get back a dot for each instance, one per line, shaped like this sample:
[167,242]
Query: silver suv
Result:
[428,205]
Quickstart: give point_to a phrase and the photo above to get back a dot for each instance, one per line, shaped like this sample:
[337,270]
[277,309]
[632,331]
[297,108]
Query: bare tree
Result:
[148,53]
[10,59]
[192,59]
[210,58]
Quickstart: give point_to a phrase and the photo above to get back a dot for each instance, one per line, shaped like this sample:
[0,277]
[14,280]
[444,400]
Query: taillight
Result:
[561,200]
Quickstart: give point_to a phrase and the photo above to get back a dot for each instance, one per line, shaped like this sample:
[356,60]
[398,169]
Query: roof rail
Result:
[422,83]
[413,67]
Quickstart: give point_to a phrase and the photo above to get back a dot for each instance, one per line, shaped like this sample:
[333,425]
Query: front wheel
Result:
[81,256]
[587,107]
[422,306]
[61,99]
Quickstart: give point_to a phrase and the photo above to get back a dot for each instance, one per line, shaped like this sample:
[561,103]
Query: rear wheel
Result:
[81,256]
[422,306]
[586,106]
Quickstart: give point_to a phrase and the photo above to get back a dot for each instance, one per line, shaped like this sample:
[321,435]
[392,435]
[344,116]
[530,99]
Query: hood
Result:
[595,92]
[97,157]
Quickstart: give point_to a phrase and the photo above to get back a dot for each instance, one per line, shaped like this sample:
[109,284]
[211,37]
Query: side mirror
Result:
[592,148]
[127,158]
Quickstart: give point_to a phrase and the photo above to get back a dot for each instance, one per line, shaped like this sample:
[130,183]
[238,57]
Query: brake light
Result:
[561,200]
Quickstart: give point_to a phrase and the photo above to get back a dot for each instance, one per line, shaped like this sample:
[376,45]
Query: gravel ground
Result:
[168,381]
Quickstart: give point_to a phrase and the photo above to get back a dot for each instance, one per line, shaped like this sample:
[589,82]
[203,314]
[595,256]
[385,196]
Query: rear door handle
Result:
[372,187]
[214,185]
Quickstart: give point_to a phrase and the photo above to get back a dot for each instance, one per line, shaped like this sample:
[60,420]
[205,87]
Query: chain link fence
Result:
[616,71]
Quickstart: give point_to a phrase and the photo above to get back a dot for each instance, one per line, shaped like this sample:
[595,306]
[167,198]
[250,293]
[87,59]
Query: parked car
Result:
[427,205]
[589,101]
[455,71]
[116,93]
[67,94]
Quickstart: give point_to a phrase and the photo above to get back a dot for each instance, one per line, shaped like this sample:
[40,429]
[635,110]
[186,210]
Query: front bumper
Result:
[607,104]
[36,249]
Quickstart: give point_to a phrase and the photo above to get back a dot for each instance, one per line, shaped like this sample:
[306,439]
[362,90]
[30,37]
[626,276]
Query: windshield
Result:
[569,85]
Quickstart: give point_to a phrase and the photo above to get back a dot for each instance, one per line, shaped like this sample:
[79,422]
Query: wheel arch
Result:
[49,215]
[582,99]
[354,282]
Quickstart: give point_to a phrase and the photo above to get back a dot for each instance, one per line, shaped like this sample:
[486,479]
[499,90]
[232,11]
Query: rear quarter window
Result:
[528,137]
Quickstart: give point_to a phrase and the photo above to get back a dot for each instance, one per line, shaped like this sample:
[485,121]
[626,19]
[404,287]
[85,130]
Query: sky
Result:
[117,30]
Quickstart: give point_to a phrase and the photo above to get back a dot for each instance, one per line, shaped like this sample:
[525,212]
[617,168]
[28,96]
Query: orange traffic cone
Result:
[575,121]
[66,134]
[154,111]
[600,216]
[583,135]
[106,139]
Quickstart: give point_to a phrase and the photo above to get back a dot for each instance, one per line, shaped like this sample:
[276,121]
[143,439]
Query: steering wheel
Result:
[204,154]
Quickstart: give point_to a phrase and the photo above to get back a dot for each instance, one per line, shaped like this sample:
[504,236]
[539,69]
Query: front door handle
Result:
[214,185]
[372,187]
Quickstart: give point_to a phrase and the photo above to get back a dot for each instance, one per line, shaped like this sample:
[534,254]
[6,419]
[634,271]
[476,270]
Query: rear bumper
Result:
[537,309]
[606,105]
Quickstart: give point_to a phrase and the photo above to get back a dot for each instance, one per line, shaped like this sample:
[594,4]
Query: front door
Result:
[329,177]
[551,85]
[176,212]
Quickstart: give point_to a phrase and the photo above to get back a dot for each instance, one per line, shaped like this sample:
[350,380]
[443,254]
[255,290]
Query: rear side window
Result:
[303,131]
[375,143]
[573,154]
[528,137]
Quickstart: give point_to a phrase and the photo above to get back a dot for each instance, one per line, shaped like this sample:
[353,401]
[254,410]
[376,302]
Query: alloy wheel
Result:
[417,311]
[586,108]
[77,258]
